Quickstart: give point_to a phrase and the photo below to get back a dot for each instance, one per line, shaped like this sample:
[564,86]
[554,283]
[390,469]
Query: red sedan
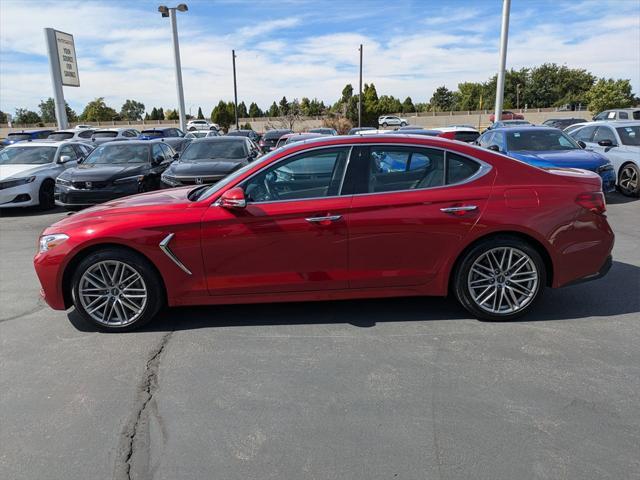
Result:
[335,218]
[506,115]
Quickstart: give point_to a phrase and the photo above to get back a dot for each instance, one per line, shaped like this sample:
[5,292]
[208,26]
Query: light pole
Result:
[360,92]
[504,34]
[171,13]
[235,88]
[518,96]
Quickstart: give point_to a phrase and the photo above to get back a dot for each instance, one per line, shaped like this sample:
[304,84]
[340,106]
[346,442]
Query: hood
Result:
[585,159]
[100,173]
[204,168]
[21,171]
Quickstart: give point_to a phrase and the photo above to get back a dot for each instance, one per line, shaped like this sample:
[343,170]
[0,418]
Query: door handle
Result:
[461,210]
[329,218]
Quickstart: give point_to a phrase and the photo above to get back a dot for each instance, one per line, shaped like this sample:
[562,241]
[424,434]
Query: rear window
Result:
[105,134]
[274,134]
[152,133]
[636,115]
[19,136]
[466,136]
[60,136]
[460,168]
[629,135]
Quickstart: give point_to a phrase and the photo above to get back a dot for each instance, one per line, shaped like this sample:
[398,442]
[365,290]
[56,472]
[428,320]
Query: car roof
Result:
[114,129]
[133,142]
[31,131]
[615,123]
[43,143]
[524,128]
[455,129]
[221,138]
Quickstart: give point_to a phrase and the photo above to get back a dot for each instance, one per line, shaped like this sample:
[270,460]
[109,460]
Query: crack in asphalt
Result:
[146,390]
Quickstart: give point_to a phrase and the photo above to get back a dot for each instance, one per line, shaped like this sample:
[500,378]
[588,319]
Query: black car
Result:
[114,170]
[209,159]
[270,139]
[562,123]
[169,135]
[245,133]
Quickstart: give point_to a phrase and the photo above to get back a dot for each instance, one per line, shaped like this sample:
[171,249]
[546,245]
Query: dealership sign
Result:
[67,58]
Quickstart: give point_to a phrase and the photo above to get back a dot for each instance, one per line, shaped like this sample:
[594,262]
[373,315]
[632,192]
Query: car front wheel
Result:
[385,124]
[116,290]
[403,124]
[629,180]
[500,279]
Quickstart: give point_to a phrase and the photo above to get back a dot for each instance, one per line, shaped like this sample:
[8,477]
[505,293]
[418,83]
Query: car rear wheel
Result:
[629,180]
[403,124]
[500,279]
[46,199]
[116,290]
[385,124]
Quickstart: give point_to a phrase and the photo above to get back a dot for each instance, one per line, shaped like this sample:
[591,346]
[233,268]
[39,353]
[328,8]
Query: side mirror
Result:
[605,143]
[495,148]
[582,144]
[64,159]
[233,198]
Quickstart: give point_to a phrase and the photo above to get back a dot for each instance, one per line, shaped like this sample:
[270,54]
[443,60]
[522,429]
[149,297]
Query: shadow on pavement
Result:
[28,211]
[616,198]
[615,294]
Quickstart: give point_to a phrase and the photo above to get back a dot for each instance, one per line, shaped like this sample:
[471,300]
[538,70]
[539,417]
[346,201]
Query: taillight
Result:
[592,201]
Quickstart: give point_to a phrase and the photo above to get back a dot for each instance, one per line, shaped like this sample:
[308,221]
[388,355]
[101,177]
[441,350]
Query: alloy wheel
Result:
[503,280]
[629,179]
[113,293]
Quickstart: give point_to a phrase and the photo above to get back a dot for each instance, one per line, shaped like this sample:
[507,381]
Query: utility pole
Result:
[360,92]
[518,96]
[235,88]
[504,34]
[171,13]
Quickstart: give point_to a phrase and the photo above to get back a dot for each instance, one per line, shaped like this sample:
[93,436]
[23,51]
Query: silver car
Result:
[80,134]
[111,134]
[618,114]
[28,171]
[619,142]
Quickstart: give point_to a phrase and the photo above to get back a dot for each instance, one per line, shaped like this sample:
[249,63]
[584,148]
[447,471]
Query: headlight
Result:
[16,182]
[47,242]
[135,178]
[62,181]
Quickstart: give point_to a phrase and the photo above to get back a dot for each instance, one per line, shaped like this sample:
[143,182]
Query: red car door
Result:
[408,215]
[292,235]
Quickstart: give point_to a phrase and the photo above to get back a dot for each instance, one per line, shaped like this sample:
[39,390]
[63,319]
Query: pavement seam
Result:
[146,390]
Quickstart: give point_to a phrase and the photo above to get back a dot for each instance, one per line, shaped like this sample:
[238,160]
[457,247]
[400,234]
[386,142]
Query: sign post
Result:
[64,69]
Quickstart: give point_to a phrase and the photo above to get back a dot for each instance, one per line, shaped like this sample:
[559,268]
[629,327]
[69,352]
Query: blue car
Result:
[24,135]
[547,147]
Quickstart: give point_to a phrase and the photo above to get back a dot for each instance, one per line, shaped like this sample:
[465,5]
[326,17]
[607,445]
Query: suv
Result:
[619,114]
[200,125]
[110,134]
[23,135]
[28,171]
[390,120]
[81,134]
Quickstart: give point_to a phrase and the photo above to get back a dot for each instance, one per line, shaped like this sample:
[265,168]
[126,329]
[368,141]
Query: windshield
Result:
[27,155]
[629,135]
[60,136]
[152,133]
[539,140]
[107,134]
[203,151]
[118,153]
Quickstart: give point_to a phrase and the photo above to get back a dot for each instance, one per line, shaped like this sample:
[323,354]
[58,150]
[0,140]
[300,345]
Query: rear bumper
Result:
[601,273]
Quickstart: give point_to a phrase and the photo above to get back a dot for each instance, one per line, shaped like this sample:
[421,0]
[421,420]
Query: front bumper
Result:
[66,196]
[20,196]
[608,180]
[171,181]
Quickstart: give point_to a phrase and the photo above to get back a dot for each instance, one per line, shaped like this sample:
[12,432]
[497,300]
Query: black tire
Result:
[46,195]
[385,124]
[462,278]
[623,177]
[403,124]
[192,129]
[154,288]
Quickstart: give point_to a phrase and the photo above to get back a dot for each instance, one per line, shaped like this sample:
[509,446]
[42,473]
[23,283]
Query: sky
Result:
[298,48]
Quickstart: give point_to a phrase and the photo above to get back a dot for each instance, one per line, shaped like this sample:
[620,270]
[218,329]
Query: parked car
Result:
[562,123]
[619,114]
[506,115]
[575,126]
[196,124]
[113,134]
[28,171]
[462,134]
[245,133]
[208,160]
[82,126]
[196,134]
[25,135]
[80,134]
[508,124]
[324,131]
[111,171]
[417,131]
[355,130]
[213,133]
[493,231]
[296,137]
[169,135]
[548,147]
[620,143]
[270,139]
[411,127]
[391,120]
[370,131]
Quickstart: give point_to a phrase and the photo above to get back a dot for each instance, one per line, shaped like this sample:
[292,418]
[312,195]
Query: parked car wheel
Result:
[629,180]
[192,129]
[500,278]
[46,198]
[116,290]
[403,124]
[385,124]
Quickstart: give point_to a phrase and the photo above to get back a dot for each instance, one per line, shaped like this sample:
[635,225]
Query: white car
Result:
[200,125]
[618,114]
[28,171]
[390,120]
[619,142]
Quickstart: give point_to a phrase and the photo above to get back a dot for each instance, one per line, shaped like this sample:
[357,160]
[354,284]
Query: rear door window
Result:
[604,133]
[584,134]
[460,168]
[392,169]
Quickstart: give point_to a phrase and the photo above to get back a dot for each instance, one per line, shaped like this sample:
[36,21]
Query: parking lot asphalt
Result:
[382,389]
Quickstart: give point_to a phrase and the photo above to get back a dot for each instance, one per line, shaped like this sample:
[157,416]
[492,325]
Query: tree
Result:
[254,110]
[407,106]
[154,114]
[25,116]
[609,93]
[172,115]
[283,107]
[442,99]
[347,93]
[305,106]
[132,110]
[200,115]
[98,111]
[3,117]
[242,110]
[160,114]
[469,94]
[273,110]
[48,111]
[222,116]
[246,126]
[293,114]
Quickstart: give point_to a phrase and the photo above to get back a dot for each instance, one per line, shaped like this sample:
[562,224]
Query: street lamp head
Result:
[163,10]
[182,7]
